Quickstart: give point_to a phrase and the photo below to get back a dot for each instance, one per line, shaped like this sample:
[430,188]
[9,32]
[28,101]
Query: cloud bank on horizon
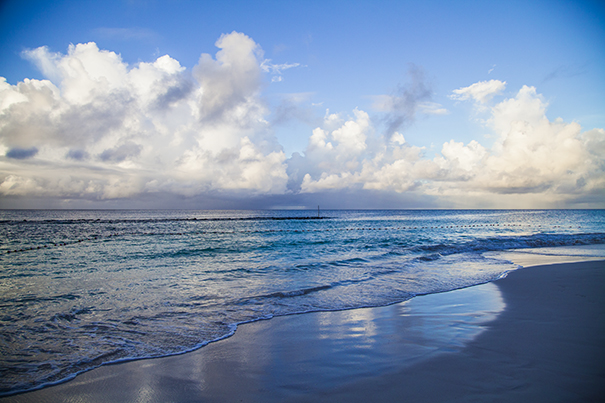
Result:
[98,131]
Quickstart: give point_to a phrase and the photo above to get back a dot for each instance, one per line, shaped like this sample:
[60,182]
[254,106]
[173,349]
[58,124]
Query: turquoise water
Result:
[82,288]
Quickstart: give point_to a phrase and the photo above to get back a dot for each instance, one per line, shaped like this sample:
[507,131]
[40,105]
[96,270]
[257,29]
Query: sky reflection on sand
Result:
[334,348]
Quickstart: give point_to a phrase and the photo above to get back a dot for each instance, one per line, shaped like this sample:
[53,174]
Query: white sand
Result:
[537,335]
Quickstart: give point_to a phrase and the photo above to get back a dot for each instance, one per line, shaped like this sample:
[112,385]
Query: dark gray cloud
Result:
[174,94]
[22,153]
[405,100]
[539,188]
[120,153]
[78,155]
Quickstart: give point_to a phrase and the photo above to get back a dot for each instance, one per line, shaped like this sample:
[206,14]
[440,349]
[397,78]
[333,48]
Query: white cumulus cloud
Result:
[535,162]
[481,92]
[97,129]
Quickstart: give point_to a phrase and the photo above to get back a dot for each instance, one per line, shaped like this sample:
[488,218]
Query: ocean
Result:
[79,289]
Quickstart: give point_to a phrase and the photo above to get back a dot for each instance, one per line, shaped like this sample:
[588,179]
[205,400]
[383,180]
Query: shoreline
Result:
[531,335]
[548,345]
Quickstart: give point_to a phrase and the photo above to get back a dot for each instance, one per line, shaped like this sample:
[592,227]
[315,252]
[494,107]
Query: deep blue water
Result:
[82,288]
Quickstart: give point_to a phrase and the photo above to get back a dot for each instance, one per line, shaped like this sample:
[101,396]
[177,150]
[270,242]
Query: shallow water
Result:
[83,288]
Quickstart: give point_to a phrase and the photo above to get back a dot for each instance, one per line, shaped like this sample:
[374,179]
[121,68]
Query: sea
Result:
[84,288]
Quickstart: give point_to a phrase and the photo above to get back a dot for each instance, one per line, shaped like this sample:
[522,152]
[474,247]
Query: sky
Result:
[293,104]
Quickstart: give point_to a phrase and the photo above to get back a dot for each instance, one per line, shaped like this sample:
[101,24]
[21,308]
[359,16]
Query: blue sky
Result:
[351,103]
